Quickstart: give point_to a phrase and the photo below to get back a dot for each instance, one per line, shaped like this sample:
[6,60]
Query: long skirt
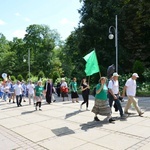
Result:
[74,95]
[101,107]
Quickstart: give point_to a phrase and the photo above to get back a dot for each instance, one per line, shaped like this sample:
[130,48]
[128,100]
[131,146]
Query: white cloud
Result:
[2,22]
[17,14]
[27,19]
[65,21]
[19,33]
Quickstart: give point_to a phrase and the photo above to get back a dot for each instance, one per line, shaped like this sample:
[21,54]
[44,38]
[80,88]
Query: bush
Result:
[20,78]
[12,78]
[41,75]
[146,74]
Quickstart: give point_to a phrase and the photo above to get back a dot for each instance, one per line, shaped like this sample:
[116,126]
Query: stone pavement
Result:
[62,126]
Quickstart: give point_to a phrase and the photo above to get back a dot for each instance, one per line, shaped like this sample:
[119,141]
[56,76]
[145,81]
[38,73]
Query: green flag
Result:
[91,63]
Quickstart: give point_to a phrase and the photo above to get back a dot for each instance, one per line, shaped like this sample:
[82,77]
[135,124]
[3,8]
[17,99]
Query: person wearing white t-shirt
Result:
[113,89]
[130,89]
[18,92]
[30,88]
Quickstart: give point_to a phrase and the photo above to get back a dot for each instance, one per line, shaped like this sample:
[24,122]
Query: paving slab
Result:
[62,126]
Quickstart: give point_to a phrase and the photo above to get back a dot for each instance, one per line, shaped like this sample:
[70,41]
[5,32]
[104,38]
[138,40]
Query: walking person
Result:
[64,89]
[30,89]
[113,88]
[18,92]
[101,105]
[58,89]
[48,87]
[38,94]
[73,88]
[11,92]
[85,88]
[130,90]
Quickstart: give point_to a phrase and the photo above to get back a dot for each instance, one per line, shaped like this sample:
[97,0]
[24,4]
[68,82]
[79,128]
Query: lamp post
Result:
[24,60]
[111,36]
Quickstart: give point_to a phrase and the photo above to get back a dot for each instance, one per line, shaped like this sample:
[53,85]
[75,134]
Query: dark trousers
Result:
[85,100]
[19,100]
[117,103]
[48,98]
[38,104]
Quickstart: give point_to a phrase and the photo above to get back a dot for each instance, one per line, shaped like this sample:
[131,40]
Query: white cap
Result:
[115,74]
[135,75]
[63,79]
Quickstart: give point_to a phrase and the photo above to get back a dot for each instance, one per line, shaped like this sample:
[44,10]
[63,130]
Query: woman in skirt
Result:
[73,88]
[101,105]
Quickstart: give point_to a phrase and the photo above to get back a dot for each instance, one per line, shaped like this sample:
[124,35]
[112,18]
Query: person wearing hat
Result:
[130,89]
[64,89]
[113,89]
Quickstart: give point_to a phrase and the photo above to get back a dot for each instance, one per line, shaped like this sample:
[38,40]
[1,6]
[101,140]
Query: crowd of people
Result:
[107,94]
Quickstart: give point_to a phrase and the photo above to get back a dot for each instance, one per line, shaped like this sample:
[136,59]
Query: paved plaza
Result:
[62,126]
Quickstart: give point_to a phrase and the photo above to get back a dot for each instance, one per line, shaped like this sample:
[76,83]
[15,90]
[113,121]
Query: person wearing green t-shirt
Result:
[101,105]
[38,94]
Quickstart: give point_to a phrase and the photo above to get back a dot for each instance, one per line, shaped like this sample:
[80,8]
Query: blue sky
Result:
[17,15]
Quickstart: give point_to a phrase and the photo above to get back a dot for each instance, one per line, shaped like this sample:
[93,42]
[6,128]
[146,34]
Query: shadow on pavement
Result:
[73,114]
[27,112]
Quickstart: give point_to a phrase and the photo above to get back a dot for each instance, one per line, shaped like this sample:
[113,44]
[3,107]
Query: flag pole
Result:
[98,65]
[89,80]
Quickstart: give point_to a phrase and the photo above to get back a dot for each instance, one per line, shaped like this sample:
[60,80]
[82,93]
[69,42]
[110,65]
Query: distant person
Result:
[74,92]
[48,87]
[130,89]
[39,89]
[18,92]
[30,89]
[101,105]
[85,88]
[58,89]
[64,89]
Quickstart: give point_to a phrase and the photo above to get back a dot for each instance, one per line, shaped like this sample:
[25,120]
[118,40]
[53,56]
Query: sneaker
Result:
[111,120]
[9,100]
[35,108]
[40,109]
[141,113]
[96,119]
[24,100]
[87,109]
[124,116]
[13,102]
[54,100]
[77,101]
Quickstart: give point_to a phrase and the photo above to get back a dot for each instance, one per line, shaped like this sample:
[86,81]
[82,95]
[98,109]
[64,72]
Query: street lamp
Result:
[111,36]
[24,60]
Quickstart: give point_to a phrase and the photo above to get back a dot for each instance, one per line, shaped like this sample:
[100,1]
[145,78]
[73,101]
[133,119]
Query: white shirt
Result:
[18,89]
[114,86]
[64,84]
[131,87]
[30,88]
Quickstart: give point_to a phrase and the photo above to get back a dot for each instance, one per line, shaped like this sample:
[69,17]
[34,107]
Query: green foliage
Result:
[19,77]
[41,75]
[12,78]
[138,67]
[146,74]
